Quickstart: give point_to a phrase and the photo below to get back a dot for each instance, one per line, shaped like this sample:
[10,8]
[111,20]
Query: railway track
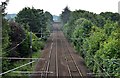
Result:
[73,68]
[50,67]
[59,59]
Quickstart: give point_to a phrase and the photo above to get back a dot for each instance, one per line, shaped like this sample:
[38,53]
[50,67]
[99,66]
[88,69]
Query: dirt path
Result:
[60,58]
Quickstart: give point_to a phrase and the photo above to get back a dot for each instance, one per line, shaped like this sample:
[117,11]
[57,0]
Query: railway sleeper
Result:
[73,69]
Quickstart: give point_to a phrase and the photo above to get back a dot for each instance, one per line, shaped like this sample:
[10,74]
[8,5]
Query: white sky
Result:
[55,7]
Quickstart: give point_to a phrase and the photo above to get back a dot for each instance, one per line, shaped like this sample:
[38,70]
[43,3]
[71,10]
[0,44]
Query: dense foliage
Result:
[96,37]
[65,15]
[35,19]
[26,30]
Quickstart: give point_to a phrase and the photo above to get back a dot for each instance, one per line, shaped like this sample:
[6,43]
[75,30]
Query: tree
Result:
[111,16]
[17,35]
[35,18]
[96,37]
[65,15]
[49,16]
[5,28]
[82,30]
[3,7]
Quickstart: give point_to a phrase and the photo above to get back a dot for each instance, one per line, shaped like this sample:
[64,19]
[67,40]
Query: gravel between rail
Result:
[61,60]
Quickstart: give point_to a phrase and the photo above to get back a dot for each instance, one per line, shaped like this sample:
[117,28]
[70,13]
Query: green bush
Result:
[81,31]
[96,37]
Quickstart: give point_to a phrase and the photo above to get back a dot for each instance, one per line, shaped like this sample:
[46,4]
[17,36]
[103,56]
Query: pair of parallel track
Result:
[72,67]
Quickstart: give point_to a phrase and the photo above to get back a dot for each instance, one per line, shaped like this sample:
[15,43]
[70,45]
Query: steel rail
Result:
[66,61]
[80,73]
[56,58]
[48,62]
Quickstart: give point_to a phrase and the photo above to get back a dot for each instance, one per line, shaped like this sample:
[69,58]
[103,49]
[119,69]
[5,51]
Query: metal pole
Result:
[31,46]
[0,40]
[41,32]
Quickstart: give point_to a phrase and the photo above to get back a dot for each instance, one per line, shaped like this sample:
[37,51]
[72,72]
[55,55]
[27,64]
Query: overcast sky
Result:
[56,6]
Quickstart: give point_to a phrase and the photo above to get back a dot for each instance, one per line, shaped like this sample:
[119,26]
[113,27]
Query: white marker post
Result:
[119,7]
[119,12]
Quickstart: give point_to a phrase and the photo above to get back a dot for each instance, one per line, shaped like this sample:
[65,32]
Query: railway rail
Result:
[60,59]
[74,69]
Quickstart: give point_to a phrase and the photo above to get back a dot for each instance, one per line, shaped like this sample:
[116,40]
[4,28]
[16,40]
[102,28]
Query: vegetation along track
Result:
[60,59]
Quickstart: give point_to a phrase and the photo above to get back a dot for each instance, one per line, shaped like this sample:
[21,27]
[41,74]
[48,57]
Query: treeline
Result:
[96,37]
[31,26]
